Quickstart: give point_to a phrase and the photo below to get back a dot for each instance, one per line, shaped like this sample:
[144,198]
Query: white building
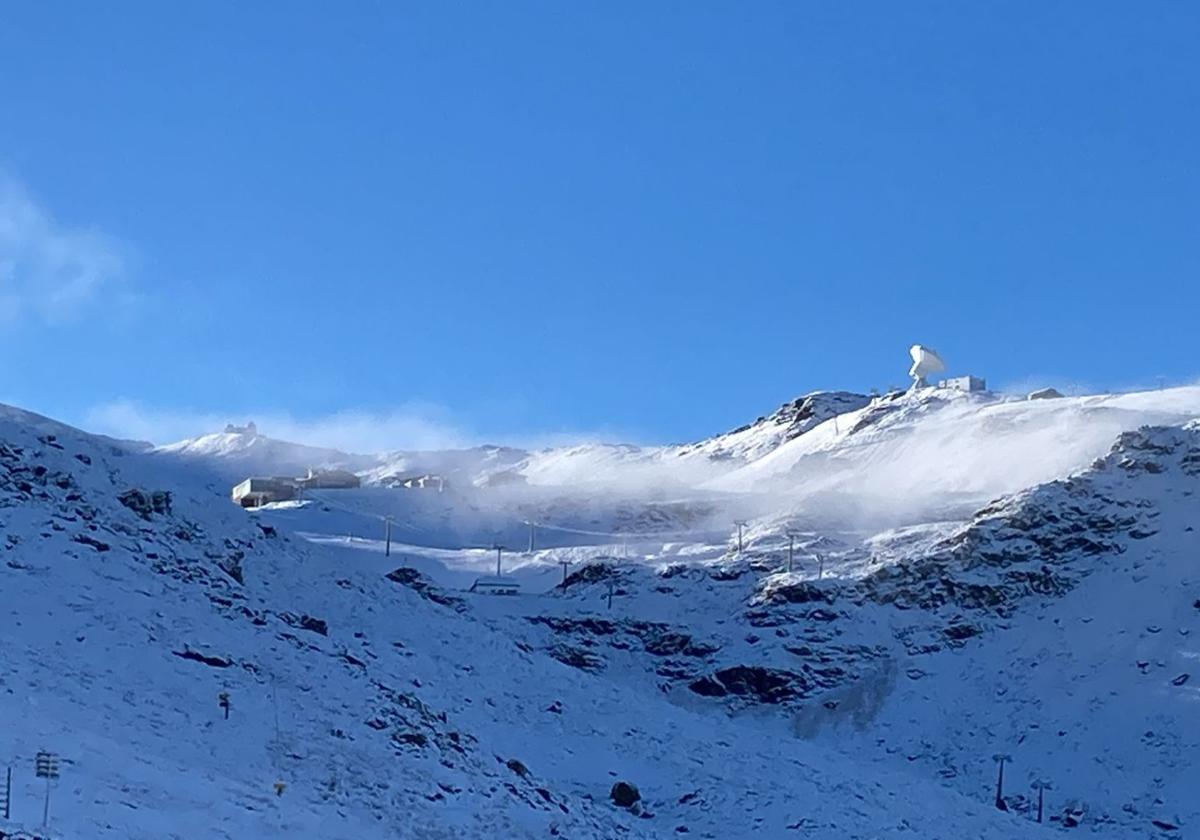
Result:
[970,384]
[254,492]
[329,480]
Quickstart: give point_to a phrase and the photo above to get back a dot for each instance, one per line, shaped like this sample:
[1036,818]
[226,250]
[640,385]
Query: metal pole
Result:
[531,537]
[791,550]
[564,564]
[498,550]
[275,707]
[387,527]
[1000,758]
[1040,786]
[46,806]
[610,593]
[8,795]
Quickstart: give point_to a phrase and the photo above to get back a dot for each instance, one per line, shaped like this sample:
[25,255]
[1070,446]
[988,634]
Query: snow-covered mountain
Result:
[239,451]
[969,575]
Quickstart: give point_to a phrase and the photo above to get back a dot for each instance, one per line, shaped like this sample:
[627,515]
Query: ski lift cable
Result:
[614,535]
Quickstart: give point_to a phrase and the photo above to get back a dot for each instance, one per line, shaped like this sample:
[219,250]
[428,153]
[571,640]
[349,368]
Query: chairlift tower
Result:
[791,535]
[740,524]
[46,767]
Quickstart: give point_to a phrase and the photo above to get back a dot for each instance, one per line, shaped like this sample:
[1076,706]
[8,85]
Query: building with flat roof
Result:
[255,492]
[329,480]
[970,384]
[495,586]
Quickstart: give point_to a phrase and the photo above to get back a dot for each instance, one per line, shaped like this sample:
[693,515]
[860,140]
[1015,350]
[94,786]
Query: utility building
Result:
[329,480]
[254,492]
[970,384]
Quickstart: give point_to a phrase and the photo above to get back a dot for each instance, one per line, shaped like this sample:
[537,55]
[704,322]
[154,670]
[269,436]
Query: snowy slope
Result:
[936,453]
[1057,625]
[238,454]
[614,465]
[383,707]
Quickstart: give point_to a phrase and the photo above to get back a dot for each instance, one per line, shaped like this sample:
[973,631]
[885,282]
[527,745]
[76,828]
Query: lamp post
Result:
[1000,758]
[1041,786]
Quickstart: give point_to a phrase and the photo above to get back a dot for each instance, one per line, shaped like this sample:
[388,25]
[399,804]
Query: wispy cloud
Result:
[49,271]
[410,426]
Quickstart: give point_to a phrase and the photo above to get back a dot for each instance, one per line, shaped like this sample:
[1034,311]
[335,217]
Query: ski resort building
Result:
[329,480]
[970,384]
[255,492]
[495,586]
[422,482]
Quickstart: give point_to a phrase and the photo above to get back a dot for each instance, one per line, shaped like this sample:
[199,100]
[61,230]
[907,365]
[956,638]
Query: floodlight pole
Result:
[1000,758]
[1040,786]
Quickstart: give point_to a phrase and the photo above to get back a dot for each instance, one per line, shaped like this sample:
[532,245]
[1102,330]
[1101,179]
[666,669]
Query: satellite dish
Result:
[925,361]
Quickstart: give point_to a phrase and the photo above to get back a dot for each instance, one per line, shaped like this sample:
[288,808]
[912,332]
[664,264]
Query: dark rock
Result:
[591,573]
[415,739]
[195,656]
[146,502]
[960,632]
[589,626]
[305,622]
[765,685]
[92,542]
[577,658]
[420,584]
[232,566]
[1181,679]
[352,660]
[624,795]
[799,593]
[315,625]
[517,767]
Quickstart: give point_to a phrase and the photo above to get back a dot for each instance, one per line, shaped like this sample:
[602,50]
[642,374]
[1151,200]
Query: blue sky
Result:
[399,224]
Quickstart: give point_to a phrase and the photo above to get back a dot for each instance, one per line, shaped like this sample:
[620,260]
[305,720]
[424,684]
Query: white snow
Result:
[405,706]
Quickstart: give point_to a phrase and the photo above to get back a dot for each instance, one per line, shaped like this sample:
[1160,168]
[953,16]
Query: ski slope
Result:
[971,575]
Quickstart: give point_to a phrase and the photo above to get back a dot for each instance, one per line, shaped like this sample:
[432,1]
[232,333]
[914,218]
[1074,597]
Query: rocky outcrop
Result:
[423,586]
